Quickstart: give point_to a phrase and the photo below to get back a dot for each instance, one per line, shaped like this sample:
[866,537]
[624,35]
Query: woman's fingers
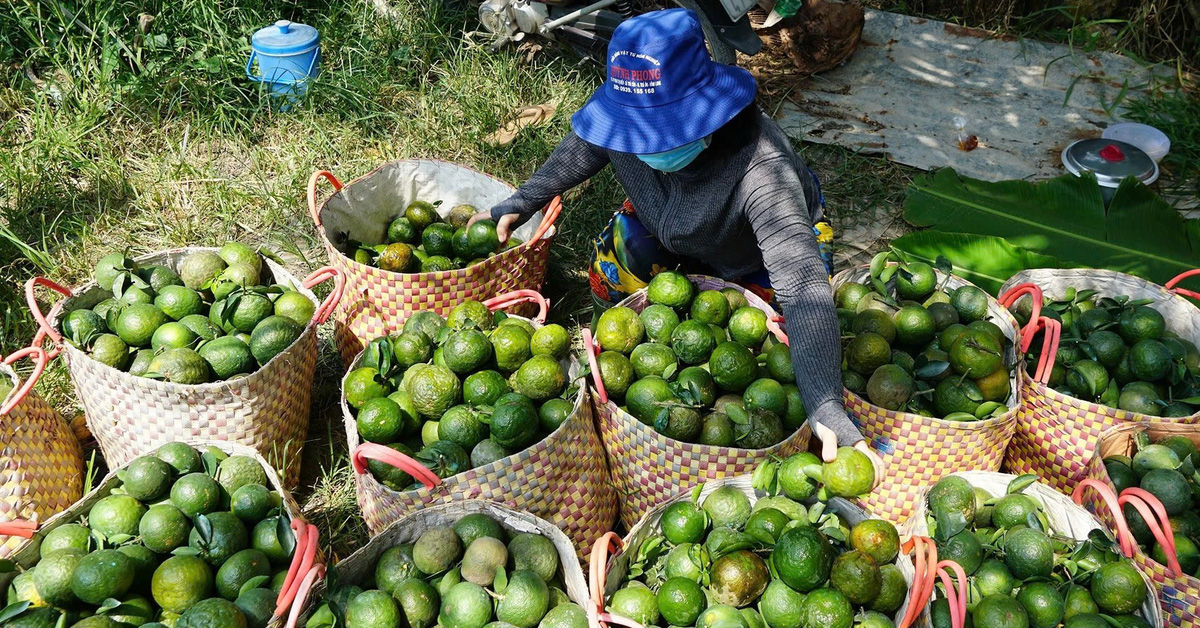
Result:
[483,215]
[876,461]
[828,442]
[504,227]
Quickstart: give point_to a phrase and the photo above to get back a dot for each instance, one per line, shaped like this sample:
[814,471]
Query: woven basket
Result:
[1180,594]
[378,301]
[41,466]
[650,468]
[130,415]
[607,573]
[563,478]
[919,450]
[1055,433]
[359,567]
[29,555]
[1065,517]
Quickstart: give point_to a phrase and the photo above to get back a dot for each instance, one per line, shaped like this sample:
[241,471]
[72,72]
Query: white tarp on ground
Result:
[910,78]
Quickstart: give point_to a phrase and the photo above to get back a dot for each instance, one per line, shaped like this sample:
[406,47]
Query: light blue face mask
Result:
[677,158]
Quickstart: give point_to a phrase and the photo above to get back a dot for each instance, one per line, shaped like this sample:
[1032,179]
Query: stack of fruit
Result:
[1022,573]
[1119,352]
[214,317]
[1167,470]
[700,366]
[912,345]
[420,241]
[185,538]
[730,560]
[461,392]
[470,574]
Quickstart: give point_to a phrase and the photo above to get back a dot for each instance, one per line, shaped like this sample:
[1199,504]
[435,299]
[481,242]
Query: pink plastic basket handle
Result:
[302,562]
[1035,295]
[516,297]
[551,213]
[1183,291]
[40,359]
[608,543]
[922,590]
[592,351]
[44,327]
[312,192]
[387,455]
[1109,497]
[957,594]
[1156,519]
[1050,340]
[330,303]
[774,326]
[18,527]
[316,573]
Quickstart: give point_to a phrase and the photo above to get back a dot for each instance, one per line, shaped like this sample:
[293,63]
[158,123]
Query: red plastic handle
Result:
[387,455]
[926,567]
[312,192]
[1170,286]
[956,594]
[516,297]
[773,326]
[552,211]
[316,573]
[325,310]
[1050,342]
[592,351]
[1109,497]
[1155,515]
[597,574]
[307,541]
[18,527]
[40,359]
[44,327]
[1035,295]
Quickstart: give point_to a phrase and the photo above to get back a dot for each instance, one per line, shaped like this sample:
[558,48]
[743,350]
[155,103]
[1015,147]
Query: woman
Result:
[713,180]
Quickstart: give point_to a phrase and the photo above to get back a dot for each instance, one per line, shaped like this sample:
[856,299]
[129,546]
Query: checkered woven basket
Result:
[606,574]
[307,553]
[1066,518]
[1180,593]
[130,415]
[377,301]
[650,468]
[359,567]
[41,466]
[1055,433]
[563,479]
[919,450]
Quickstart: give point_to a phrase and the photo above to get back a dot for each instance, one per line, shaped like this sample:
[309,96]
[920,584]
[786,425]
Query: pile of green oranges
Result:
[420,241]
[700,366]
[914,346]
[215,317]
[460,392]
[189,538]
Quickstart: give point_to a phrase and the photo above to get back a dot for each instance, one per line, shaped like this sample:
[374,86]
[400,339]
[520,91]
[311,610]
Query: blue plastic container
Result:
[288,56]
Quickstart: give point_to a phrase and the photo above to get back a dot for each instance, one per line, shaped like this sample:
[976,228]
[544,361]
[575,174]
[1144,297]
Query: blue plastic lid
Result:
[284,37]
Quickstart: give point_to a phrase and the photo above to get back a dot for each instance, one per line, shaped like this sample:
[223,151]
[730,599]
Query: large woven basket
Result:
[918,450]
[378,301]
[41,466]
[607,573]
[563,478]
[1066,518]
[130,415]
[650,468]
[1180,593]
[304,558]
[359,567]
[1056,433]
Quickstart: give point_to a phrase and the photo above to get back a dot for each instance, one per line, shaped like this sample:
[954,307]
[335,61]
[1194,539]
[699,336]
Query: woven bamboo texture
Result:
[41,465]
[563,479]
[130,415]
[1066,518]
[1056,433]
[650,468]
[918,450]
[376,301]
[647,526]
[29,555]
[1180,594]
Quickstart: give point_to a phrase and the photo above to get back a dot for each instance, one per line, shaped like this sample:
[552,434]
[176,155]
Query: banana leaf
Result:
[1063,218]
[986,261]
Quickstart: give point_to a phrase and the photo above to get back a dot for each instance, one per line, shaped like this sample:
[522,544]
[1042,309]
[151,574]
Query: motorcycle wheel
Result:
[721,52]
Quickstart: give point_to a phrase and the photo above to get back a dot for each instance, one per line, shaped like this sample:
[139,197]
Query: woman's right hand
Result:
[504,227]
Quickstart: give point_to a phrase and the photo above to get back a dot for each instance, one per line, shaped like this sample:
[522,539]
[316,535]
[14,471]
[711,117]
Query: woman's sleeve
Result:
[775,205]
[572,162]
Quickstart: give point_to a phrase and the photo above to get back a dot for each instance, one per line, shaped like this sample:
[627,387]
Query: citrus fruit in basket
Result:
[1118,588]
[1000,611]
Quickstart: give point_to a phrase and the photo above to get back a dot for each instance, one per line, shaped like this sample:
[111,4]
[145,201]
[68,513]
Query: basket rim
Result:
[1037,388]
[434,275]
[615,410]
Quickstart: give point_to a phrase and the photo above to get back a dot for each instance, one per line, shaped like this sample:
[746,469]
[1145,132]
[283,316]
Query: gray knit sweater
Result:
[746,202]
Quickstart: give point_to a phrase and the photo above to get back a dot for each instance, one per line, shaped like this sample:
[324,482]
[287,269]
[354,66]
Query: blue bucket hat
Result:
[663,88]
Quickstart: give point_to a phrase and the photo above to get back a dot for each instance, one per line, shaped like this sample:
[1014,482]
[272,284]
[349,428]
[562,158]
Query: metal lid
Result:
[1110,160]
[284,37]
